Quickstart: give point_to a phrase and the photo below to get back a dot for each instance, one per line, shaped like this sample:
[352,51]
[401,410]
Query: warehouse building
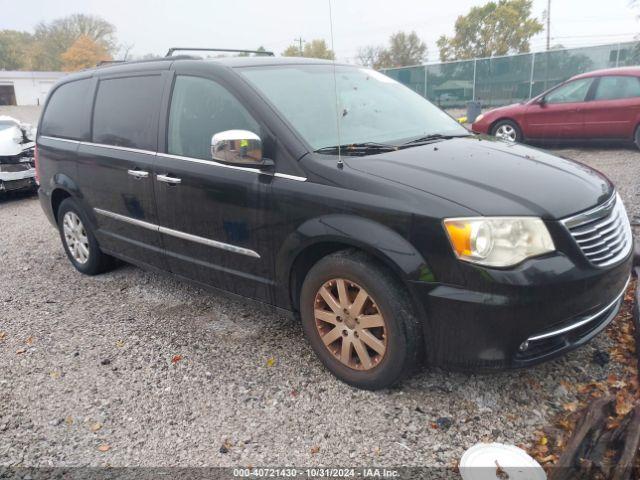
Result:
[26,88]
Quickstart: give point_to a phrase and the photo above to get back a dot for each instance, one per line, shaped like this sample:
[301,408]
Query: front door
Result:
[212,215]
[116,167]
[561,114]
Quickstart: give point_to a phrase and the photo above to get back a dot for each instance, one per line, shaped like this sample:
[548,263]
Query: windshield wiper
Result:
[431,138]
[359,149]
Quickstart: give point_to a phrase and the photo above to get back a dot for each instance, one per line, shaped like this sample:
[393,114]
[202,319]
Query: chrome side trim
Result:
[177,233]
[290,177]
[178,157]
[123,218]
[582,322]
[116,147]
[76,142]
[599,211]
[209,162]
[209,242]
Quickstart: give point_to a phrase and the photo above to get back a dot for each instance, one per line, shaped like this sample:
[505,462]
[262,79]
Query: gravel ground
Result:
[89,364]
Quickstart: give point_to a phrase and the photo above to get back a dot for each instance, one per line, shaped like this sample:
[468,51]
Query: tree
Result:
[496,28]
[84,53]
[404,49]
[54,38]
[14,48]
[314,49]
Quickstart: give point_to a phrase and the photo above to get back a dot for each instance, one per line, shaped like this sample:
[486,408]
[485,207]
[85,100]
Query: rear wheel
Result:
[79,242]
[359,321]
[507,130]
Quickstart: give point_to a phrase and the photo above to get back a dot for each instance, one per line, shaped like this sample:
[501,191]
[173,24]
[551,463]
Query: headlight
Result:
[479,117]
[498,241]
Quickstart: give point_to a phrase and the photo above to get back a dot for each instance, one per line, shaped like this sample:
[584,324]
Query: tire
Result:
[399,334]
[637,136]
[79,242]
[507,130]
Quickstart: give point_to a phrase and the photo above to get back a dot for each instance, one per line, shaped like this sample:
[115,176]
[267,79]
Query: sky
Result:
[152,26]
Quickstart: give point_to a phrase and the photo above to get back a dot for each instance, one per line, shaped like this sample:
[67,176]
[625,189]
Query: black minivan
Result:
[333,192]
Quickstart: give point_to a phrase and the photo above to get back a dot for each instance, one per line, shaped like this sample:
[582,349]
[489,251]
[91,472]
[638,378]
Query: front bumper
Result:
[18,180]
[538,311]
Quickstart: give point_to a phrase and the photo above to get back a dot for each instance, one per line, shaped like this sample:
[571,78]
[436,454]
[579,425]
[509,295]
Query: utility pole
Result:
[548,25]
[299,41]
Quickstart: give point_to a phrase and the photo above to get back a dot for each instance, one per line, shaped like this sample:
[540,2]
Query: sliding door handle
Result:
[168,179]
[138,173]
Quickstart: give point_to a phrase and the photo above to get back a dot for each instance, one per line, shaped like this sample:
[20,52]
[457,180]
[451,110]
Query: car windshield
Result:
[370,106]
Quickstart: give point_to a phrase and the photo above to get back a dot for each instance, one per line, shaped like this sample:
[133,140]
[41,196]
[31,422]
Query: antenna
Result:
[335,90]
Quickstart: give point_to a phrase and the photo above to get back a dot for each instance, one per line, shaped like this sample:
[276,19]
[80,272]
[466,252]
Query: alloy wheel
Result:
[350,324]
[75,237]
[506,132]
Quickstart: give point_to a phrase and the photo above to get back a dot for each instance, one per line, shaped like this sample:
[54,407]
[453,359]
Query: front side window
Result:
[201,108]
[68,111]
[571,92]
[126,112]
[332,105]
[614,88]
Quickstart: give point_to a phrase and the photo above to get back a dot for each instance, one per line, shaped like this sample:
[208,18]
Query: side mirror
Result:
[541,101]
[238,147]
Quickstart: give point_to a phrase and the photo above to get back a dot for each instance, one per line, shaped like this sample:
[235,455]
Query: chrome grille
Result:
[603,233]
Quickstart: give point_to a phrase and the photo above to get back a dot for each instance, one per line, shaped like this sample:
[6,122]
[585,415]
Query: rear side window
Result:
[199,109]
[126,112]
[614,88]
[68,112]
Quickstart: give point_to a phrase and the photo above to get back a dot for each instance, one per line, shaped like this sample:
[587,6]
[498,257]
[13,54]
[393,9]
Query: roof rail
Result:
[108,62]
[259,52]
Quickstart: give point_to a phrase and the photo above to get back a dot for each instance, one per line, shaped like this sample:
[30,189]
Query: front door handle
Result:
[168,179]
[138,173]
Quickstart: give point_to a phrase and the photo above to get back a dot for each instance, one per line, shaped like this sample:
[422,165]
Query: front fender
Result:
[352,231]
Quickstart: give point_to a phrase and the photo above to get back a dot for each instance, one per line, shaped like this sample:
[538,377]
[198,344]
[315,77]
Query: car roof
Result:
[625,71]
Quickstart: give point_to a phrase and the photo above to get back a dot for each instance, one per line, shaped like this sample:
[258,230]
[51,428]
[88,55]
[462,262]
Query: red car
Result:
[601,105]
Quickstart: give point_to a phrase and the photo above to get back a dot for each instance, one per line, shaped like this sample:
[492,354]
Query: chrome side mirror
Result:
[239,147]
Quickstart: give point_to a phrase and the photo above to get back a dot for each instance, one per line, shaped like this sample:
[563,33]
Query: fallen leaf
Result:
[21,350]
[29,341]
[271,362]
[570,406]
[95,426]
[548,458]
[315,450]
[55,375]
[176,358]
[3,335]
[543,441]
[624,404]
[294,393]
[120,343]
[105,447]
[68,420]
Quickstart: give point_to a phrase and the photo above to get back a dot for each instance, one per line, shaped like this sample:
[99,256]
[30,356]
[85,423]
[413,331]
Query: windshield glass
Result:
[372,107]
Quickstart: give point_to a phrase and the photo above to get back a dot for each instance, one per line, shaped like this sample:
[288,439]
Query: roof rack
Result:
[109,62]
[258,52]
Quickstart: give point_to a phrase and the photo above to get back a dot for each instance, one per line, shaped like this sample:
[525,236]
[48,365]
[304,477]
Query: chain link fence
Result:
[508,79]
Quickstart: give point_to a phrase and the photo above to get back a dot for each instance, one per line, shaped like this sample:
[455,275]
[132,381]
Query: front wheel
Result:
[637,136]
[79,242]
[359,321]
[507,130]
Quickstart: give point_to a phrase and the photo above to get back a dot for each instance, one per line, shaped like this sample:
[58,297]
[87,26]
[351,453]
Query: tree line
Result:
[80,41]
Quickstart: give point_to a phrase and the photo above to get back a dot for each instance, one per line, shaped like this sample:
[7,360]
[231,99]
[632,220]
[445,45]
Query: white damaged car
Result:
[17,167]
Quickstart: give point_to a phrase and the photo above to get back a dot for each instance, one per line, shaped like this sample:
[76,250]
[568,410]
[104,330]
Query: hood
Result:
[10,141]
[492,177]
